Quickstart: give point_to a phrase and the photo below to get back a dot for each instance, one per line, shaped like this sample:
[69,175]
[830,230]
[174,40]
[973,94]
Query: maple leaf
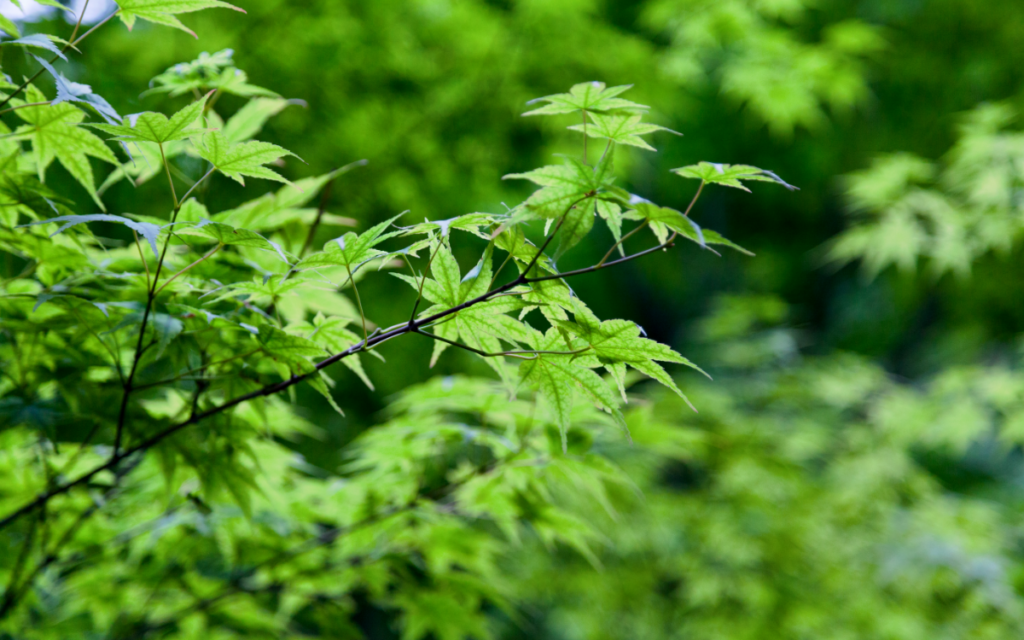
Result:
[559,377]
[156,127]
[229,235]
[331,334]
[54,133]
[576,191]
[662,219]
[164,12]
[618,342]
[620,128]
[587,96]
[729,175]
[352,250]
[242,158]
[482,325]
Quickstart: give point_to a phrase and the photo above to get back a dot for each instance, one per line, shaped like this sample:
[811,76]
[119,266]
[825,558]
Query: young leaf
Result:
[54,133]
[729,175]
[481,325]
[352,250]
[241,159]
[587,96]
[661,218]
[156,127]
[165,11]
[559,376]
[621,129]
[332,334]
[619,341]
[226,234]
[208,71]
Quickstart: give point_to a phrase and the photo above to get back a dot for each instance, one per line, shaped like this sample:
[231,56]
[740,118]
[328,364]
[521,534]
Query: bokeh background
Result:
[855,471]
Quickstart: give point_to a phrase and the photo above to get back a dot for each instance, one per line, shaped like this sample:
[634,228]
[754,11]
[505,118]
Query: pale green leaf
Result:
[620,128]
[164,12]
[236,160]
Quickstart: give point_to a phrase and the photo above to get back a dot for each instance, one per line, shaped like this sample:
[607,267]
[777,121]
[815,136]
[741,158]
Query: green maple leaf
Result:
[587,96]
[229,235]
[54,133]
[560,377]
[260,290]
[729,175]
[662,219]
[577,191]
[241,159]
[617,343]
[620,128]
[352,250]
[156,127]
[164,12]
[332,334]
[209,71]
[293,353]
[470,222]
[482,325]
[562,185]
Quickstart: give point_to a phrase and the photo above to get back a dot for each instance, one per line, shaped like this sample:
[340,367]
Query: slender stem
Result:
[22,106]
[149,284]
[198,182]
[362,315]
[423,280]
[668,243]
[621,240]
[205,256]
[694,201]
[316,221]
[95,27]
[583,112]
[517,353]
[78,24]
[150,299]
[167,169]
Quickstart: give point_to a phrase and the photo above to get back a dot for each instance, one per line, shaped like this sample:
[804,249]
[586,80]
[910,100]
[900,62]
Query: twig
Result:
[22,106]
[518,353]
[423,280]
[205,256]
[142,257]
[362,314]
[323,203]
[622,240]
